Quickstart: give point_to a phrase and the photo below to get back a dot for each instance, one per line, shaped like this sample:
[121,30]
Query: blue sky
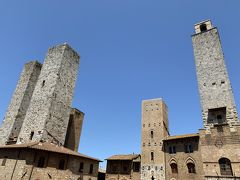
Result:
[130,50]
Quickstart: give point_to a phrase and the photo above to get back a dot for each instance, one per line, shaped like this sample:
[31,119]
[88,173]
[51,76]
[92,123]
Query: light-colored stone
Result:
[49,110]
[20,103]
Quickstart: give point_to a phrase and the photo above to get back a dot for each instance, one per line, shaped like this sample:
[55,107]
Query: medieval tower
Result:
[19,104]
[48,114]
[218,106]
[154,130]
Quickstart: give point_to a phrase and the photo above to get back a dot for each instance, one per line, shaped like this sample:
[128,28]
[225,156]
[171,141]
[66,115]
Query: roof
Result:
[45,146]
[181,137]
[124,157]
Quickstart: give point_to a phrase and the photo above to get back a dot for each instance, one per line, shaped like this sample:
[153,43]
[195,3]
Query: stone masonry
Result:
[216,95]
[154,130]
[19,104]
[47,117]
[74,129]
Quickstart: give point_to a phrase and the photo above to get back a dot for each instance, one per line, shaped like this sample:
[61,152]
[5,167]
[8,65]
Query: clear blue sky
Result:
[130,50]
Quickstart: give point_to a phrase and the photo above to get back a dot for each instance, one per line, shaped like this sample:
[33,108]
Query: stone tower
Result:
[19,104]
[74,130]
[218,106]
[48,114]
[154,130]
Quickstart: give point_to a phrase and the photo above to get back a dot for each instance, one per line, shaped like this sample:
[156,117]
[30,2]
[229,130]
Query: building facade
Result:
[154,130]
[123,167]
[214,152]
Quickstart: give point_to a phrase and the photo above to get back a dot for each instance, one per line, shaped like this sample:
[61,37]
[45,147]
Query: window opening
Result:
[91,169]
[31,135]
[61,164]
[172,149]
[203,27]
[152,156]
[151,134]
[225,166]
[4,161]
[43,83]
[174,168]
[188,148]
[191,168]
[41,162]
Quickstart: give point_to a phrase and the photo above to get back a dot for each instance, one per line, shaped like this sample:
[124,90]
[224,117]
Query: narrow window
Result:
[174,168]
[225,166]
[81,167]
[152,156]
[4,161]
[153,178]
[91,169]
[61,164]
[31,135]
[151,134]
[191,168]
[43,83]
[41,162]
[203,27]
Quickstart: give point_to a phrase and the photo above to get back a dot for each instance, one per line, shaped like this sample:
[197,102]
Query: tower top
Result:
[203,26]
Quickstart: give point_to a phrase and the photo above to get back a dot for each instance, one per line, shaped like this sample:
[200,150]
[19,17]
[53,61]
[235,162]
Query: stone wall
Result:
[48,114]
[19,103]
[22,164]
[115,170]
[221,143]
[154,130]
[181,158]
[74,129]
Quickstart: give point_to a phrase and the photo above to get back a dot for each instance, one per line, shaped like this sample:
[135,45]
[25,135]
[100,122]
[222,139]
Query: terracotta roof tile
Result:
[181,136]
[48,147]
[124,157]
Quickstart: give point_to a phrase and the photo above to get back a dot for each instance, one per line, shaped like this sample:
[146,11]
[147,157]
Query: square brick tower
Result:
[154,130]
[218,106]
[48,114]
[19,104]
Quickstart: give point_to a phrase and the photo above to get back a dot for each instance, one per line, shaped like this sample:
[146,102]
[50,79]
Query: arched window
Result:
[41,162]
[203,27]
[61,164]
[225,166]
[191,167]
[174,168]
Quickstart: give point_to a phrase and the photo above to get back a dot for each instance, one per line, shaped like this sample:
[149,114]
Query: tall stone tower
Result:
[218,106]
[19,104]
[48,114]
[154,130]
